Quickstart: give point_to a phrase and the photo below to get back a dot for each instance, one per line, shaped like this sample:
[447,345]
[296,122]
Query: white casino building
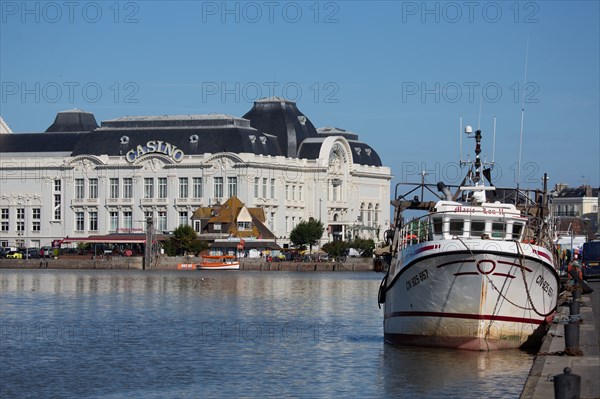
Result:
[78,179]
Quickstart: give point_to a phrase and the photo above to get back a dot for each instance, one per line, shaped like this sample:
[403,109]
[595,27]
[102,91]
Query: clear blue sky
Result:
[400,74]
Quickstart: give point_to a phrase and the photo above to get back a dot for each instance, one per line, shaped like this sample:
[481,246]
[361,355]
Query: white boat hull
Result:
[444,294]
[231,266]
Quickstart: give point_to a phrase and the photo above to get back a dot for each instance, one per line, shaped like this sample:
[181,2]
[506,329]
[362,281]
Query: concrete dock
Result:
[552,360]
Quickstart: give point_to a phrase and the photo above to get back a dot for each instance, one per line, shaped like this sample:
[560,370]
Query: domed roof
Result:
[73,120]
[193,134]
[282,118]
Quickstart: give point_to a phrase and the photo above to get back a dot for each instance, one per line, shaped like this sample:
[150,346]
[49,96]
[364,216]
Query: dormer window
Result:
[244,226]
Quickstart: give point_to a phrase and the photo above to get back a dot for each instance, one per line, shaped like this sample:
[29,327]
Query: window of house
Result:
[272,188]
[57,207]
[183,218]
[197,187]
[127,220]
[183,187]
[36,216]
[162,220]
[113,220]
[232,186]
[256,187]
[113,184]
[243,225]
[162,187]
[127,187]
[218,181]
[93,188]
[79,191]
[93,217]
[79,221]
[148,187]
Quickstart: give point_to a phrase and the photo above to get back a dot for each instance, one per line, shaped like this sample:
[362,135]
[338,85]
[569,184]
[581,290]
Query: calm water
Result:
[132,334]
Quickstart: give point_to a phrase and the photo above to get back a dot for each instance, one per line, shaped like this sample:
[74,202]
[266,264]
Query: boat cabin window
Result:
[438,224]
[456,227]
[477,228]
[517,230]
[498,230]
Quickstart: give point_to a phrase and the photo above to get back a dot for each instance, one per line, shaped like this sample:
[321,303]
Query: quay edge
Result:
[549,363]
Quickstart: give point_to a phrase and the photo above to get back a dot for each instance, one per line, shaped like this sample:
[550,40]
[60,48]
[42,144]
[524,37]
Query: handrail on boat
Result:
[421,229]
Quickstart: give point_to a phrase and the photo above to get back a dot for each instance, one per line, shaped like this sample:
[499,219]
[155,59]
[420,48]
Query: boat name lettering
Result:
[155,146]
[416,279]
[545,285]
[484,210]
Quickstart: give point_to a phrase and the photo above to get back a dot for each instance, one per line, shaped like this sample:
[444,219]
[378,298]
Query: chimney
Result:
[560,186]
[588,191]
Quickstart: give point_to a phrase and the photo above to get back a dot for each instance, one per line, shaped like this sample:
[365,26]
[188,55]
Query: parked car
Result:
[3,252]
[591,260]
[14,255]
[31,253]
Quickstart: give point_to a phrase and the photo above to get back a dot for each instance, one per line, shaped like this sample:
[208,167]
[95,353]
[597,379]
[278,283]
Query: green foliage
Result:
[83,246]
[197,246]
[364,246]
[335,249]
[184,239]
[307,233]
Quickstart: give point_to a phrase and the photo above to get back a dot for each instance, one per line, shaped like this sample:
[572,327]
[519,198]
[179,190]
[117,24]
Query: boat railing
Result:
[448,225]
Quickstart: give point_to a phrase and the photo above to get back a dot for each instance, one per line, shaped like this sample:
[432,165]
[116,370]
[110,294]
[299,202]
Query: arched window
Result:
[370,215]
[376,215]
[362,213]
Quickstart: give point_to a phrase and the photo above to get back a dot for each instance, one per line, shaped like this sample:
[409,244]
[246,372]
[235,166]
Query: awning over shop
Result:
[113,239]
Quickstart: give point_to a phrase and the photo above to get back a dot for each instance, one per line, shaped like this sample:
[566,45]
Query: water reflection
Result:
[437,373]
[190,334]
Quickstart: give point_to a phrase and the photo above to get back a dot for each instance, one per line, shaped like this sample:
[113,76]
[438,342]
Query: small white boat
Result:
[474,273]
[218,262]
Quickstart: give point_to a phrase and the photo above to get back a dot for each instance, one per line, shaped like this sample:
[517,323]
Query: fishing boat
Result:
[477,271]
[218,262]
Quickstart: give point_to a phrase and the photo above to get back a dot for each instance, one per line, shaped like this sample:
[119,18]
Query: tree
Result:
[335,249]
[307,233]
[184,239]
[364,246]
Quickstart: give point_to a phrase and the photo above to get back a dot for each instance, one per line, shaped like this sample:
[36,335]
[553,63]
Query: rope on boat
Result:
[500,292]
[520,252]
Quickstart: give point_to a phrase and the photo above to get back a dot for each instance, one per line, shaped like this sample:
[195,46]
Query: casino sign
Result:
[153,147]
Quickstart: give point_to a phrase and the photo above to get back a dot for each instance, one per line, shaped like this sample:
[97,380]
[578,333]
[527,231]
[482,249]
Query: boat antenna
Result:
[480,101]
[522,120]
[460,129]
[494,142]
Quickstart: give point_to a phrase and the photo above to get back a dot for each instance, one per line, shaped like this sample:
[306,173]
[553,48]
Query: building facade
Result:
[78,179]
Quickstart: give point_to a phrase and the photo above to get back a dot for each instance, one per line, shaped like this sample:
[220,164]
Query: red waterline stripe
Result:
[467,316]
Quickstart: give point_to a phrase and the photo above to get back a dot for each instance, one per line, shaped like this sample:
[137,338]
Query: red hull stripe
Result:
[503,275]
[456,261]
[540,253]
[427,248]
[468,316]
[513,264]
